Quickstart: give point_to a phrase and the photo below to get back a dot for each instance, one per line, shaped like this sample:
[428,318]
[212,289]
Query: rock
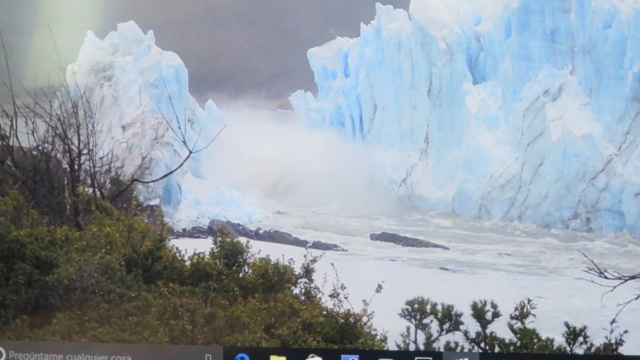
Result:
[319,245]
[281,237]
[233,229]
[236,230]
[196,232]
[405,241]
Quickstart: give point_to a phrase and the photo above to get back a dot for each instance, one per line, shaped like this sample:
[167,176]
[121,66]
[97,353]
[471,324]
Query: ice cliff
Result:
[522,111]
[141,105]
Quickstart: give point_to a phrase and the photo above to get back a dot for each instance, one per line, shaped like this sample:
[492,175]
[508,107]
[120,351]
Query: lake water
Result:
[488,260]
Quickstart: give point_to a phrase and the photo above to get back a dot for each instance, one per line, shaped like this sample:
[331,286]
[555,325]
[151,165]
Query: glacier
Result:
[521,111]
[142,110]
[462,108]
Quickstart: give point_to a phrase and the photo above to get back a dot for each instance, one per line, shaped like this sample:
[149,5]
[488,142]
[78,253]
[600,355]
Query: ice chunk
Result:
[140,99]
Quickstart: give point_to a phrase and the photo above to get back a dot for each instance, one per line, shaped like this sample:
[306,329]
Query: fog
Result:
[273,157]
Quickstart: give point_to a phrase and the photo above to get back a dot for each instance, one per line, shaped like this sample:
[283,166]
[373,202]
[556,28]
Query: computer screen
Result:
[442,179]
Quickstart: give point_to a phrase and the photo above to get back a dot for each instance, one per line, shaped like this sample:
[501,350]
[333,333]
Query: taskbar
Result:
[239,353]
[35,350]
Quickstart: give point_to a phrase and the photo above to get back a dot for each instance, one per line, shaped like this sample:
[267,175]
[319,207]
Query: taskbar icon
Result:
[349,357]
[242,356]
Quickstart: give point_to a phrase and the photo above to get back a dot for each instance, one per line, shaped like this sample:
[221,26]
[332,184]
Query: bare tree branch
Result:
[612,280]
[173,171]
[179,134]
[51,148]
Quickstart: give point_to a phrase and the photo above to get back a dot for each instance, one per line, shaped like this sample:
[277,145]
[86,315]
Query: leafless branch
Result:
[49,140]
[610,279]
[190,152]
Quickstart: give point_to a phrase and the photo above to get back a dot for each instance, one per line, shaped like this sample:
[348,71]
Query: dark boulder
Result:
[216,227]
[405,241]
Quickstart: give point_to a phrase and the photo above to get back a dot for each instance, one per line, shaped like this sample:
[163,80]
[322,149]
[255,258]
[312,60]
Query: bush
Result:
[429,323]
[118,280]
[30,253]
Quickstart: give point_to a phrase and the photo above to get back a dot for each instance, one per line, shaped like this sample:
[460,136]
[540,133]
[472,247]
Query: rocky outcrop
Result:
[405,241]
[217,227]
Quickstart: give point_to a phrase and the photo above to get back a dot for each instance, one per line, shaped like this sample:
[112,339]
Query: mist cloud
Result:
[274,158]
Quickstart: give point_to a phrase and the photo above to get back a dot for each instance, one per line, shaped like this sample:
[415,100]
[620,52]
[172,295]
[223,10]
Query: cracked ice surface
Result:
[520,111]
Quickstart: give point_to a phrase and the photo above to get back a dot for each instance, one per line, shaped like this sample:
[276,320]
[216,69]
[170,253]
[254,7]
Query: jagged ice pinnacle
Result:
[138,94]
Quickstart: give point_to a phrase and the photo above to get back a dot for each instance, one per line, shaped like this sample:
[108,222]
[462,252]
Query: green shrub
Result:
[118,280]
[430,323]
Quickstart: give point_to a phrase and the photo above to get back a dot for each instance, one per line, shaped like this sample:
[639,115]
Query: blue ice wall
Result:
[529,116]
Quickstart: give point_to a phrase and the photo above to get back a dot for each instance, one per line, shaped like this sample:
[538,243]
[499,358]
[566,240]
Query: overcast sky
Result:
[231,48]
